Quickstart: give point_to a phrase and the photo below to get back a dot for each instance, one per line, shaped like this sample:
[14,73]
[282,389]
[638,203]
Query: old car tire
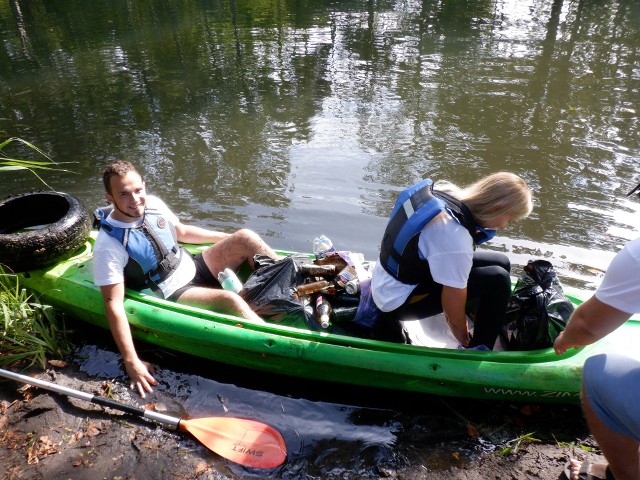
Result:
[63,225]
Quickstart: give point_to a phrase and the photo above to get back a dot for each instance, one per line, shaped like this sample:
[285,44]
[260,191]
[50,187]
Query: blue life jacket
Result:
[415,207]
[152,247]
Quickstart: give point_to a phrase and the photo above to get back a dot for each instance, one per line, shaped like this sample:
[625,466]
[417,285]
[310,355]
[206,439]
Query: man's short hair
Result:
[118,168]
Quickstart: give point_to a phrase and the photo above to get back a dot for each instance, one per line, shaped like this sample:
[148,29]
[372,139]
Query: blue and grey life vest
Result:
[154,252]
[415,207]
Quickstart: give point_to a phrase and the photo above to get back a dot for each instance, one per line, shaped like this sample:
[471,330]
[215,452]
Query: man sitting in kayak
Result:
[138,245]
[428,262]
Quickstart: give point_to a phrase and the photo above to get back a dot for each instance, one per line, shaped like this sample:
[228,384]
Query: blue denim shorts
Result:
[611,385]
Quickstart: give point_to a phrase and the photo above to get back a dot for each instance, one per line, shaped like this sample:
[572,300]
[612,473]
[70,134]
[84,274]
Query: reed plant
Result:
[30,332]
[11,164]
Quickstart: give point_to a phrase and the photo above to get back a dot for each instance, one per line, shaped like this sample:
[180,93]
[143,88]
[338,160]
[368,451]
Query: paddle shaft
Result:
[158,417]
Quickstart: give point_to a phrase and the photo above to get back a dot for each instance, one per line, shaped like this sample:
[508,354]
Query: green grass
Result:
[30,332]
[512,446]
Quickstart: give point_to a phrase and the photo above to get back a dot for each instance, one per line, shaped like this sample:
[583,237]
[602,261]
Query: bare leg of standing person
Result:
[620,450]
[609,401]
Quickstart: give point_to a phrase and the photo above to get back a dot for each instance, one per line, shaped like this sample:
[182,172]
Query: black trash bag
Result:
[269,291]
[537,311]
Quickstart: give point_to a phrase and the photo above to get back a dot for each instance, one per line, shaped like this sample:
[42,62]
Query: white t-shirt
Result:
[448,248]
[110,257]
[620,287]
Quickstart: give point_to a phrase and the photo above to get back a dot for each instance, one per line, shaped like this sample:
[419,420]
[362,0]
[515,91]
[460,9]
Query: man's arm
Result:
[590,322]
[453,304]
[197,235]
[138,371]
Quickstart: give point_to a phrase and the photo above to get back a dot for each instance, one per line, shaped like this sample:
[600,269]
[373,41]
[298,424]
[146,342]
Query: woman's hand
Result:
[460,332]
[453,302]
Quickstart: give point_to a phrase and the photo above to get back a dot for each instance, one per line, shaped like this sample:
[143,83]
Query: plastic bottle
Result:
[229,280]
[306,305]
[321,246]
[323,311]
[311,269]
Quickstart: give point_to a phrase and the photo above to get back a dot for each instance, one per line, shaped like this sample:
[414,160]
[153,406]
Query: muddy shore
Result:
[46,435]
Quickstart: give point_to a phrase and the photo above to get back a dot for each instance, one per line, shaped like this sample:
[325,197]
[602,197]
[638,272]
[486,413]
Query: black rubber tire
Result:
[63,225]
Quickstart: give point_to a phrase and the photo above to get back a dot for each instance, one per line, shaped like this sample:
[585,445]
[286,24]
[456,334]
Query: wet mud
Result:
[332,431]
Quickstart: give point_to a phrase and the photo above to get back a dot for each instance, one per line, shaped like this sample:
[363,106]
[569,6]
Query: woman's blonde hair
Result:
[498,194]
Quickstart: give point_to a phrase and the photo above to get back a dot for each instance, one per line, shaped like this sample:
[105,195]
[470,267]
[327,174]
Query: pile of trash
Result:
[322,293]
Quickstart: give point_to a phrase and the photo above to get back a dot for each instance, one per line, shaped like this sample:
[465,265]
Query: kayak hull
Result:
[534,376]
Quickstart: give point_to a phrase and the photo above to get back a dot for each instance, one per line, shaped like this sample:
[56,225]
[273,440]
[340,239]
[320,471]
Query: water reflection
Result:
[298,119]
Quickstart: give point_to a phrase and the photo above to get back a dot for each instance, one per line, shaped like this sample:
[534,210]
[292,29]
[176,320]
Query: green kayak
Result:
[532,376]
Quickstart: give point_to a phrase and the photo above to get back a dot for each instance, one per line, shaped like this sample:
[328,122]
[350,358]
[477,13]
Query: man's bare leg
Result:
[218,300]
[236,249]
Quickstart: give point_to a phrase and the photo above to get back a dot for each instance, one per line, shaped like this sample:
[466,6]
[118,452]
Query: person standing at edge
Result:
[611,381]
[428,263]
[138,245]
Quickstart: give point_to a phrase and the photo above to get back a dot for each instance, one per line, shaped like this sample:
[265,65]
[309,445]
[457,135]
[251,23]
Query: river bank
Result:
[47,435]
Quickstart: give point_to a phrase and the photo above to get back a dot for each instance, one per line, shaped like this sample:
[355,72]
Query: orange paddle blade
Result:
[246,442]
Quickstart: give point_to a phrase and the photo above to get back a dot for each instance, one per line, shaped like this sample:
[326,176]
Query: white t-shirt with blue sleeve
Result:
[448,248]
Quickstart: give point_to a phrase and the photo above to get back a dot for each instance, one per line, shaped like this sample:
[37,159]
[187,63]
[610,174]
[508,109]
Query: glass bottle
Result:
[309,288]
[313,270]
[323,311]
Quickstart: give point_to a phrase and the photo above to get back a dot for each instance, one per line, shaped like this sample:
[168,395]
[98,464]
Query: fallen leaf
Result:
[92,431]
[107,389]
[40,449]
[149,406]
[472,430]
[58,363]
[160,407]
[13,440]
[527,410]
[27,392]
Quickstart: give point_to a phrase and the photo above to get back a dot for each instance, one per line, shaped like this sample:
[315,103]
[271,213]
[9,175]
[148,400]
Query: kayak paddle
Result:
[242,441]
